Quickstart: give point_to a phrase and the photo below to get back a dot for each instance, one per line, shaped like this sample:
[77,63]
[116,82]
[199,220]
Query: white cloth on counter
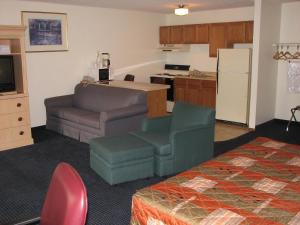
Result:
[294,77]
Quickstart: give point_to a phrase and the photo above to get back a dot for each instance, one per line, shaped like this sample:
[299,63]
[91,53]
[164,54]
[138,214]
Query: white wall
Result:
[130,37]
[212,16]
[264,70]
[289,33]
[198,56]
[255,59]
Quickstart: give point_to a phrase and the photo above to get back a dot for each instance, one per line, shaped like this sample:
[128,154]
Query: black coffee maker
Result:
[104,68]
[104,74]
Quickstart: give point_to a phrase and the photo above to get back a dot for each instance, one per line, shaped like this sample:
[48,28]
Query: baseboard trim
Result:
[39,127]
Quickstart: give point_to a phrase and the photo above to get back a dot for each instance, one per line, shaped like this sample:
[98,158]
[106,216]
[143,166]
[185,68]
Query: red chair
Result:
[66,199]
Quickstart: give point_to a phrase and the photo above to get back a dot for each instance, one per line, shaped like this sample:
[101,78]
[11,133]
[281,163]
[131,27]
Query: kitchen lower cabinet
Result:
[179,88]
[193,92]
[196,91]
[208,94]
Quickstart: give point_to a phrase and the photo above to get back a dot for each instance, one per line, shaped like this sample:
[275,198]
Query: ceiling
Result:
[159,6]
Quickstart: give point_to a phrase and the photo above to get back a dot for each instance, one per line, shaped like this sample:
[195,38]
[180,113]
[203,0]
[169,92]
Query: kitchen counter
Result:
[200,76]
[156,94]
[135,85]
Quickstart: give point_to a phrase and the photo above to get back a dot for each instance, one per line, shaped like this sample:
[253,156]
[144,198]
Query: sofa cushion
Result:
[55,111]
[90,120]
[73,114]
[97,98]
[119,149]
[76,115]
[160,140]
[69,113]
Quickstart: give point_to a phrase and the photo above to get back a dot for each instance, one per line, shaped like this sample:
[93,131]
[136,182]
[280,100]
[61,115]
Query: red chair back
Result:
[66,200]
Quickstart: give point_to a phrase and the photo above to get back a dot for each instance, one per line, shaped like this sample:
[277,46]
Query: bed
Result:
[257,183]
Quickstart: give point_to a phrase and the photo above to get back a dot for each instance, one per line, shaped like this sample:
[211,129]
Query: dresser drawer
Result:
[15,133]
[14,120]
[14,105]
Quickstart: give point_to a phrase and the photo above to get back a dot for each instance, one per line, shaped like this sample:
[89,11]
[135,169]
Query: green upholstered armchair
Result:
[181,140]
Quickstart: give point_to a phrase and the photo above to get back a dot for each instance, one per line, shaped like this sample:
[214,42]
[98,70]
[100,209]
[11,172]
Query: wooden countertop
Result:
[203,76]
[134,85]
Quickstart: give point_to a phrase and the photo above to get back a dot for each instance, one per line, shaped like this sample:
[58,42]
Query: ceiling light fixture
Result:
[181,10]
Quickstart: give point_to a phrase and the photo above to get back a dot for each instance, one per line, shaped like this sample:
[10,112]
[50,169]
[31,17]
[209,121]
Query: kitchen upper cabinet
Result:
[202,36]
[195,34]
[189,34]
[236,33]
[217,38]
[249,26]
[217,35]
[164,35]
[176,36]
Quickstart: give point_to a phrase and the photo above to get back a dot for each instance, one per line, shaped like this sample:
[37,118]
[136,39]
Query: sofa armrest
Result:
[189,129]
[157,124]
[65,100]
[192,145]
[123,112]
[192,135]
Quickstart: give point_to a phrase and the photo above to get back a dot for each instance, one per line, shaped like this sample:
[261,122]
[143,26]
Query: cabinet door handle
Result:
[21,132]
[19,104]
[20,118]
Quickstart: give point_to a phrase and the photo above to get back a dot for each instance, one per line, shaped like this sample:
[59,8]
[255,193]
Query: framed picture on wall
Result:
[45,31]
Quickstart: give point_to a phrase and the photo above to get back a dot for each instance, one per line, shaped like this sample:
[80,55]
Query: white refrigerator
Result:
[233,85]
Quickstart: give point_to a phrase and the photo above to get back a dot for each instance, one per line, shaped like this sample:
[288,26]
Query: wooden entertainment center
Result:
[15,128]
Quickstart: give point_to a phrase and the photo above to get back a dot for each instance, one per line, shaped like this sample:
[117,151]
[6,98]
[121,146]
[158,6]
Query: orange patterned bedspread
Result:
[257,183]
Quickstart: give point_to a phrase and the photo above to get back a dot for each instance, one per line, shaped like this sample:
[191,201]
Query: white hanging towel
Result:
[294,77]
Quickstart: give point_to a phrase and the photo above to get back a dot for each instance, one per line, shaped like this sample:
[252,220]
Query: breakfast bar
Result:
[156,94]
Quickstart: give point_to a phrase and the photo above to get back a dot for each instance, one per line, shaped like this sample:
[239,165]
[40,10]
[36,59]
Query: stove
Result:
[167,77]
[166,74]
[171,75]
[172,70]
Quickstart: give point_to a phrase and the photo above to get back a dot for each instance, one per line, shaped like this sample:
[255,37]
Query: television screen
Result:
[7,77]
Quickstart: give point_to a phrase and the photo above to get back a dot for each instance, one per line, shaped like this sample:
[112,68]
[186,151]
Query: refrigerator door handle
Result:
[217,78]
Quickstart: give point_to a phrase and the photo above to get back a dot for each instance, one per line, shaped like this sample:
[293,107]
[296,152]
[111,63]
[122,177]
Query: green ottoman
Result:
[121,158]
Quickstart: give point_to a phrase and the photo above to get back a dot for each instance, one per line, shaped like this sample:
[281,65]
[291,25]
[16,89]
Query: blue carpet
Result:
[25,174]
